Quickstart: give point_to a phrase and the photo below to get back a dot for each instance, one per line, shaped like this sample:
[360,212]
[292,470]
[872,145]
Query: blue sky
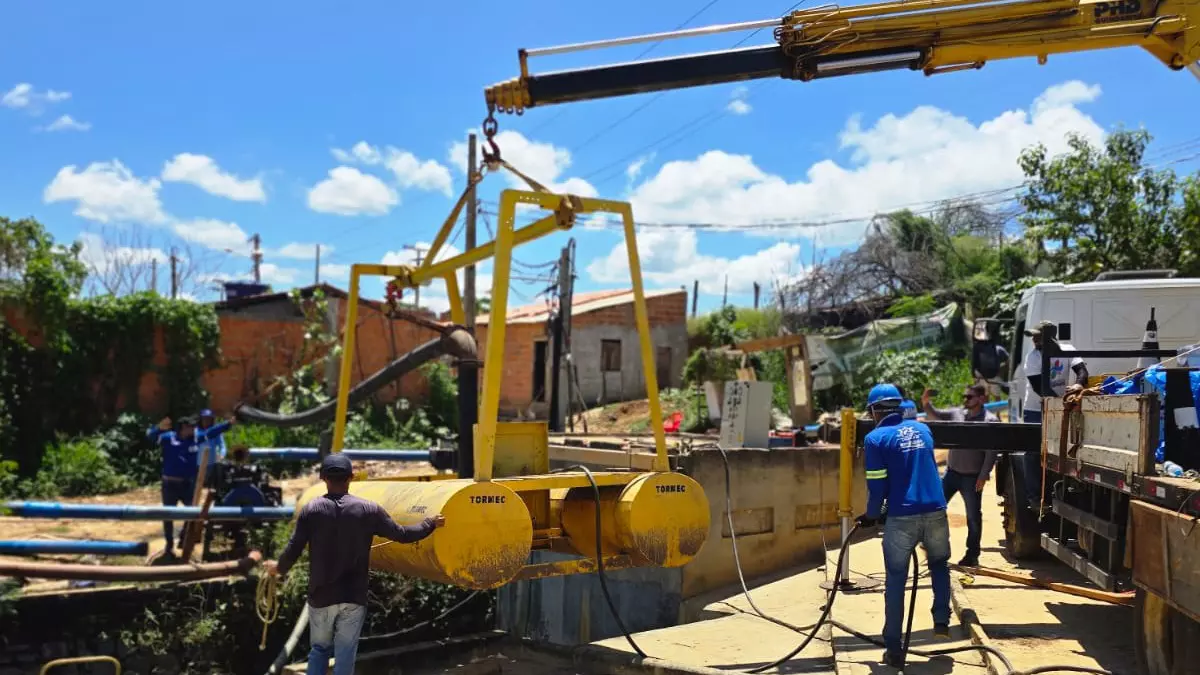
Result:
[144,126]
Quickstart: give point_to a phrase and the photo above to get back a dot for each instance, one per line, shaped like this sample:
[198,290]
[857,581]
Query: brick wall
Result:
[668,320]
[258,346]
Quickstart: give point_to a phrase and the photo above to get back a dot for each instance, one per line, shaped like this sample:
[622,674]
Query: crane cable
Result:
[266,604]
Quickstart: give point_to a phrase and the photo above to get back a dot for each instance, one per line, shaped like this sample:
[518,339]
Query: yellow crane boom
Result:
[933,36]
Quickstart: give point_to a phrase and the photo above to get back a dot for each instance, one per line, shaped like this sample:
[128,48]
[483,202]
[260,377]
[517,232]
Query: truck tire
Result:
[1165,641]
[1152,634]
[1022,534]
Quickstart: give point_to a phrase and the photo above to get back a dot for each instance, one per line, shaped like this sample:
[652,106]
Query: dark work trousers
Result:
[175,491]
[960,483]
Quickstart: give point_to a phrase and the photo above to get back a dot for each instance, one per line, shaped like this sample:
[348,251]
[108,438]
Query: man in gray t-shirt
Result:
[967,471]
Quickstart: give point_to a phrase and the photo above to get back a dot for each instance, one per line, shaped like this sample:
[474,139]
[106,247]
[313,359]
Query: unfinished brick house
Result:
[604,345]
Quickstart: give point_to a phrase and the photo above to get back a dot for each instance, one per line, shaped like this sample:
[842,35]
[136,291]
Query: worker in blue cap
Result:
[212,436]
[905,495]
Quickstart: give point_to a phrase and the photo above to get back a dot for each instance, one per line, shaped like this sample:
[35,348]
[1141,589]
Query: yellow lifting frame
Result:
[564,208]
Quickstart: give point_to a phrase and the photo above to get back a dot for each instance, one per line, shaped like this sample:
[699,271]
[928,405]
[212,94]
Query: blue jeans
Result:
[960,483]
[333,631]
[901,534]
[1031,460]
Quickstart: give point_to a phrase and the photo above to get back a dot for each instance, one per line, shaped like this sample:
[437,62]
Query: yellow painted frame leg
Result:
[846,483]
[661,462]
[344,375]
[493,364]
[457,314]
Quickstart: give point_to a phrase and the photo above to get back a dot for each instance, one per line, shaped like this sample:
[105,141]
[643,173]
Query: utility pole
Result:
[560,324]
[174,274]
[695,296]
[756,290]
[725,297]
[472,208]
[317,267]
[420,253]
[154,276]
[256,256]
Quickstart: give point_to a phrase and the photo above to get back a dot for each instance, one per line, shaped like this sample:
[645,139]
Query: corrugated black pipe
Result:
[455,341]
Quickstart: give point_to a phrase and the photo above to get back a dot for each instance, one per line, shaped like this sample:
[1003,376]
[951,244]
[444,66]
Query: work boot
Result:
[894,659]
[969,561]
[941,631]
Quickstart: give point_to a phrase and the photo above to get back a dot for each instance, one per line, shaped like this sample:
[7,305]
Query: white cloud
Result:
[334,271]
[543,162]
[672,258]
[203,172]
[215,234]
[925,155]
[635,168]
[99,256]
[107,192]
[412,172]
[350,192]
[409,170]
[737,101]
[68,123]
[361,152]
[25,97]
[274,274]
[298,251]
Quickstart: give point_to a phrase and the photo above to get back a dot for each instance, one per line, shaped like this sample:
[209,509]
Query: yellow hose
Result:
[266,603]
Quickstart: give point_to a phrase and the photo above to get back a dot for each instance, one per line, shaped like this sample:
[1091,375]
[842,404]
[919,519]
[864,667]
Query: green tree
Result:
[1095,209]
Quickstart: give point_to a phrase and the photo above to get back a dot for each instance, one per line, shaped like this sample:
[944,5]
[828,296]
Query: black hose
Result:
[456,341]
[422,624]
[612,606]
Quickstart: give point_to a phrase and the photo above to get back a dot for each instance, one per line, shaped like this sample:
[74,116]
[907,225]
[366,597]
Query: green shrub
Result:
[79,467]
[443,394]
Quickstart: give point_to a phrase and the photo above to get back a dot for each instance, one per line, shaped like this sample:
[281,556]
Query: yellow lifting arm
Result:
[933,36]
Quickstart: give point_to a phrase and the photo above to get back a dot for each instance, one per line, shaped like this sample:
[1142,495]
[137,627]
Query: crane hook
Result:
[490,127]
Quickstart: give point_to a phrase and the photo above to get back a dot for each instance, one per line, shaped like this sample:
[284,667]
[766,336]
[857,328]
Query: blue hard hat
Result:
[882,393]
[908,408]
[206,413]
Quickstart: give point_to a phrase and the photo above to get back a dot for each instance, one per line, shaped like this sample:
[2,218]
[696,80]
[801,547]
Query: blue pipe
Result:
[994,405]
[85,546]
[311,455]
[136,512]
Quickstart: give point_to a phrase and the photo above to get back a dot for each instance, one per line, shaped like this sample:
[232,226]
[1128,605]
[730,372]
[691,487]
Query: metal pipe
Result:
[868,61]
[656,37]
[130,573]
[138,512]
[312,454]
[68,546]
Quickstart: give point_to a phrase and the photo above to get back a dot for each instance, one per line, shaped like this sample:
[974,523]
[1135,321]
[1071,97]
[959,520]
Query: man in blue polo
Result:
[905,494]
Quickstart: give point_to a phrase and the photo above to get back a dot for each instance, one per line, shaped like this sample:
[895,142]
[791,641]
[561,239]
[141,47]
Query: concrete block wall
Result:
[783,499]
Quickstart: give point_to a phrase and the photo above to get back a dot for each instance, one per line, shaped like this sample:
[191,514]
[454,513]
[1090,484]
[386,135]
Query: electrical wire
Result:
[612,606]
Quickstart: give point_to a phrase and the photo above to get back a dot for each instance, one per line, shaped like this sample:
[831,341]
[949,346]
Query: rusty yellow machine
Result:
[505,502]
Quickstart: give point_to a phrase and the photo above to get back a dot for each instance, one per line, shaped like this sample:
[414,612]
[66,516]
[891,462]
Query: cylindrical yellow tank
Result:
[485,542]
[659,519]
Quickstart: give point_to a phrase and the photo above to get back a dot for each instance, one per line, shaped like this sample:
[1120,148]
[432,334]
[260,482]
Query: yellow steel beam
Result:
[534,230]
[661,463]
[493,363]
[573,566]
[348,343]
[566,479]
[457,314]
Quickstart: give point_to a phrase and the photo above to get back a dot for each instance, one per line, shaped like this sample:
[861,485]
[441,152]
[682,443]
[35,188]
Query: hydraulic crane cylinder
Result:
[485,542]
[659,519]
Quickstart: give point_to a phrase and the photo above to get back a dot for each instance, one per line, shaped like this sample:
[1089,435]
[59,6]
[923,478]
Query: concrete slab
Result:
[740,640]
[1033,626]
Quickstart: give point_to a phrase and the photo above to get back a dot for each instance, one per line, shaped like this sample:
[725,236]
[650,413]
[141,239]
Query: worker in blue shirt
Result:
[212,436]
[179,469]
[905,494]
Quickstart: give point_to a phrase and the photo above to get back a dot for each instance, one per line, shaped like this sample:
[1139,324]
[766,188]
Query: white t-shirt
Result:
[1061,368]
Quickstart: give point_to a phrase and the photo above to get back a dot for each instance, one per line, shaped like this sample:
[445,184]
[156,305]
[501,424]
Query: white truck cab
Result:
[1109,313]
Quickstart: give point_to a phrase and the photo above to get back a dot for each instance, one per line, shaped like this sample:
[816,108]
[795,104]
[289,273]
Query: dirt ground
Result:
[631,417]
[1034,626]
